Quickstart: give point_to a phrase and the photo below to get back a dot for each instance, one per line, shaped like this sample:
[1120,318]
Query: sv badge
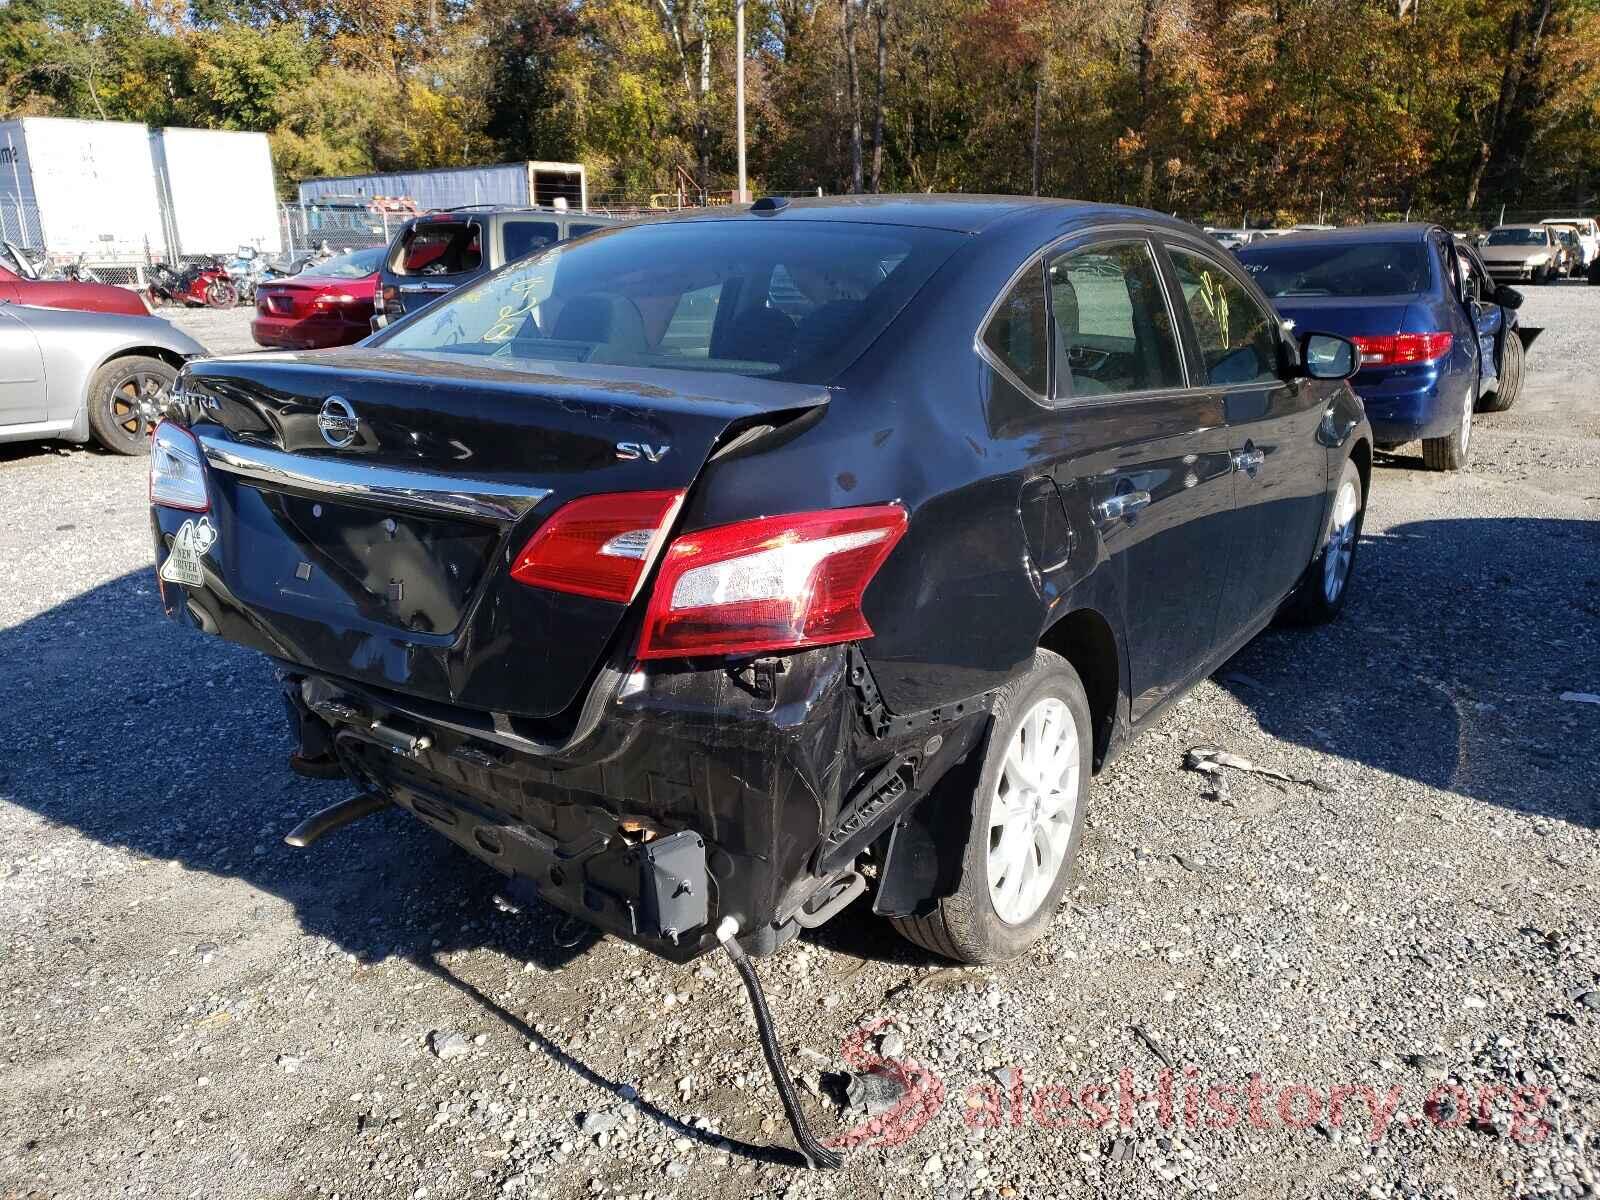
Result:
[633,451]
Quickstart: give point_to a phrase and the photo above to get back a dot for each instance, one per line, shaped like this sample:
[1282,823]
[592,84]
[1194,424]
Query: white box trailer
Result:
[513,185]
[217,189]
[71,188]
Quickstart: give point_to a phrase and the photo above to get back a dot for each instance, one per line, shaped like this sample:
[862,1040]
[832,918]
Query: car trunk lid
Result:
[368,508]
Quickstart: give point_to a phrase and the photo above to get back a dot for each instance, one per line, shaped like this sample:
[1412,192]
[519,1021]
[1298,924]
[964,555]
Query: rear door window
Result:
[1238,338]
[521,238]
[580,230]
[1111,325]
[440,248]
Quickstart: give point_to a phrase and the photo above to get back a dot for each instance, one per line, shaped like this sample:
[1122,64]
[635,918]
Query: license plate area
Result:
[402,570]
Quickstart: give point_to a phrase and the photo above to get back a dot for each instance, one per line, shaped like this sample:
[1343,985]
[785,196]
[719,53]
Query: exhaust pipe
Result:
[335,817]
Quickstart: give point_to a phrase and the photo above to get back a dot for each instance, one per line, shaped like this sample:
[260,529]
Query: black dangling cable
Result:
[814,1152]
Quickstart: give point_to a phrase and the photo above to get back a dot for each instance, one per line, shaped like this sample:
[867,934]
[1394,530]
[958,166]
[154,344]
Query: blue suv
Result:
[1438,338]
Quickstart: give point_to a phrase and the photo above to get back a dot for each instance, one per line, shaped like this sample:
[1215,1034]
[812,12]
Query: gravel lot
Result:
[190,1008]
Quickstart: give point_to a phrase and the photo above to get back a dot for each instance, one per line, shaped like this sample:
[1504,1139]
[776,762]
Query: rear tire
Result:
[1026,820]
[1509,386]
[1320,596]
[126,397]
[1454,451]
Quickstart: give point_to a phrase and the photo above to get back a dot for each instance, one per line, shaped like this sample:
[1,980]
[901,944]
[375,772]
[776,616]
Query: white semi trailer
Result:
[71,188]
[115,192]
[217,190]
[512,184]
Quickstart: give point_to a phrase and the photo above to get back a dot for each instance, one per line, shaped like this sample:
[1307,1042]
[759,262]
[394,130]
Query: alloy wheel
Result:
[1032,810]
[1341,542]
[136,402]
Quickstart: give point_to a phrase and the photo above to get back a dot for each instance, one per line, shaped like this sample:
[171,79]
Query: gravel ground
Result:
[190,1008]
[219,330]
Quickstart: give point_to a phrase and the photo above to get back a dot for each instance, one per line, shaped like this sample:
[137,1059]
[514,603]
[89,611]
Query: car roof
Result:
[954,211]
[1539,225]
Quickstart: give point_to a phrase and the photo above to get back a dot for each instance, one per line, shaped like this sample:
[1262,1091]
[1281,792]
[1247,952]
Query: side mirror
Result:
[1328,356]
[1507,297]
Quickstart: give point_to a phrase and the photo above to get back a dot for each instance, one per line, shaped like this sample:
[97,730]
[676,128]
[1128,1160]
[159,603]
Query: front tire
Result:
[1454,451]
[1509,386]
[1026,820]
[126,398]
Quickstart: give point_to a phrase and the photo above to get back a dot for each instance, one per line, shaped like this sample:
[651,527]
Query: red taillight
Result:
[1402,348]
[775,583]
[332,302]
[598,546]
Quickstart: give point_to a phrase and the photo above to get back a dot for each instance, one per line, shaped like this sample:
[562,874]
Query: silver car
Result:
[1522,254]
[74,375]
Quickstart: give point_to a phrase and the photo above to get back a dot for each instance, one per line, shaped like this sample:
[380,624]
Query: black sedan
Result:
[733,551]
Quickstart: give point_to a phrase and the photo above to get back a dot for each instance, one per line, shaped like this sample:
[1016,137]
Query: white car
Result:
[1588,236]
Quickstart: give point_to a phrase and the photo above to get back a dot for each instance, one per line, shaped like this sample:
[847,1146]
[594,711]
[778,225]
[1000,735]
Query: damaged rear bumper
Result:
[680,798]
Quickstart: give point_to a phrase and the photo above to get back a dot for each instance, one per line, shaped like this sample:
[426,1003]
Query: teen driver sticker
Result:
[193,539]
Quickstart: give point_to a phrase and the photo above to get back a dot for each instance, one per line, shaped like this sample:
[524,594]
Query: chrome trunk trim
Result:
[383,487]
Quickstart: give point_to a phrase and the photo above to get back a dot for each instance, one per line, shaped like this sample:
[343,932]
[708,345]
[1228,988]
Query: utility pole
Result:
[738,91]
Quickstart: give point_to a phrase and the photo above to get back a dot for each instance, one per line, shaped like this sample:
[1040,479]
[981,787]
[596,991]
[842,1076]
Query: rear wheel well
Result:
[1084,638]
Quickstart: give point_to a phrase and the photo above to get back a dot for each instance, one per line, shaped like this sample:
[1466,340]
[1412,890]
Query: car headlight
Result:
[1536,260]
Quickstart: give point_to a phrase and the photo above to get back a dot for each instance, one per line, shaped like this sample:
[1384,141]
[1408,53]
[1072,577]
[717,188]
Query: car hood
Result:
[94,331]
[1511,254]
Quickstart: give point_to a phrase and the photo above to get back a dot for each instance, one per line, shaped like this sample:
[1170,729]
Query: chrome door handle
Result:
[1248,461]
[1120,506]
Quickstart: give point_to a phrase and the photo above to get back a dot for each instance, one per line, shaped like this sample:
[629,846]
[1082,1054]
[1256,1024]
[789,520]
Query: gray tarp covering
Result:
[504,183]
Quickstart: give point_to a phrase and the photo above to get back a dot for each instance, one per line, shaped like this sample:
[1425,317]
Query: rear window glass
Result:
[440,248]
[1288,269]
[356,265]
[521,238]
[791,300]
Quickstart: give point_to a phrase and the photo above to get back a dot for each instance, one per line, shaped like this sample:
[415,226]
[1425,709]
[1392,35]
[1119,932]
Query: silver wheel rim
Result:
[1032,810]
[1466,424]
[1341,541]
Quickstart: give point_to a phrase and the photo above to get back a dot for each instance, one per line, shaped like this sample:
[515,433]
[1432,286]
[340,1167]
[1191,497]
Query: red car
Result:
[65,293]
[326,305]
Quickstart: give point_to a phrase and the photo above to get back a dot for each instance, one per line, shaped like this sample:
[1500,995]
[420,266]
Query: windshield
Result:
[792,300]
[358,264]
[1285,269]
[1518,237]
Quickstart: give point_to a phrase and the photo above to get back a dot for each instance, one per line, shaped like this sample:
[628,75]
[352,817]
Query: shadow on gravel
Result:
[1448,664]
[158,740]
[778,1155]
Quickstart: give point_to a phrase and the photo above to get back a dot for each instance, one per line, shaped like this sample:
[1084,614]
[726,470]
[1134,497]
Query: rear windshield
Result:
[439,248]
[791,300]
[1518,237]
[358,264]
[1287,269]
